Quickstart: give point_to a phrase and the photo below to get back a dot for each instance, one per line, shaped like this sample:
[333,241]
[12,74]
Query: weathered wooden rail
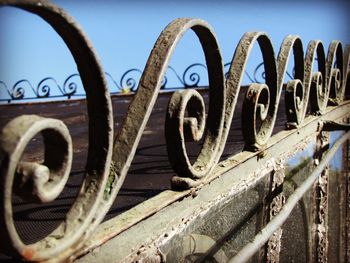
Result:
[175,224]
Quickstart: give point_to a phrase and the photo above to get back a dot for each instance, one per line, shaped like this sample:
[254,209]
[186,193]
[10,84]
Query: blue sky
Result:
[123,32]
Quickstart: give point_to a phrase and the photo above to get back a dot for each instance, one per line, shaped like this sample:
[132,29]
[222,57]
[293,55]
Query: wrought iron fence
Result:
[49,88]
[109,157]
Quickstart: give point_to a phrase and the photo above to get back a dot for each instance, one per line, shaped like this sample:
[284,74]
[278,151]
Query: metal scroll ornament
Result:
[186,119]
[43,182]
[49,88]
[145,97]
[315,88]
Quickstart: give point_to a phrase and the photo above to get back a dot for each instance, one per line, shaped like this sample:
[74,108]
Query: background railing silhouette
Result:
[49,88]
[109,156]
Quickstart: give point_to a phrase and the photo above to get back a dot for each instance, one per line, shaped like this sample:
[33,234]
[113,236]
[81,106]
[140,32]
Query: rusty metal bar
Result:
[263,236]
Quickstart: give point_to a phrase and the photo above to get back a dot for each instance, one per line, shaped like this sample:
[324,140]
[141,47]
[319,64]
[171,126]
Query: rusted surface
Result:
[232,177]
[322,226]
[344,211]
[38,182]
[320,209]
[186,120]
[186,101]
[149,173]
[77,224]
[309,89]
[252,247]
[274,243]
[347,210]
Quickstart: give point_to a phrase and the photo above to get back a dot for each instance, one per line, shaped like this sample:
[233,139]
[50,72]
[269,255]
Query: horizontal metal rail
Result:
[231,177]
[263,236]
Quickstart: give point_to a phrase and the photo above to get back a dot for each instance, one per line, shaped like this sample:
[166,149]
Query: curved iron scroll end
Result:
[186,120]
[86,212]
[261,100]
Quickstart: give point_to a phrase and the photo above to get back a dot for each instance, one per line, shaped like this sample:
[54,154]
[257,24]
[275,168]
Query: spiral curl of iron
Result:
[43,182]
[325,86]
[70,87]
[18,90]
[44,88]
[128,81]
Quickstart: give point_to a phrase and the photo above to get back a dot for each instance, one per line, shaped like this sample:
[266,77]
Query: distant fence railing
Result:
[50,88]
[109,156]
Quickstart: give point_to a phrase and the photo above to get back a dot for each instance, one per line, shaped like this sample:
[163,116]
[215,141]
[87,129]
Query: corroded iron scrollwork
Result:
[318,89]
[186,120]
[149,86]
[43,182]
